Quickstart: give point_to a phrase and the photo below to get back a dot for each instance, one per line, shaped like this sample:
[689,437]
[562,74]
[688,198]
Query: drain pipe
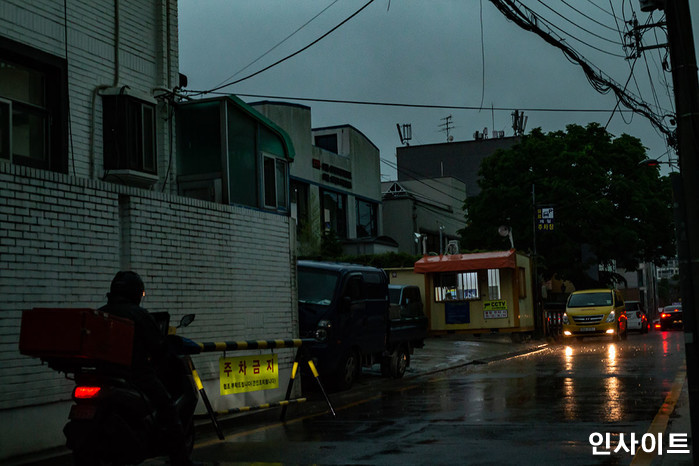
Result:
[101,87]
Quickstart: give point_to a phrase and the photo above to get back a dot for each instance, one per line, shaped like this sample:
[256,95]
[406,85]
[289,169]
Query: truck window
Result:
[375,285]
[317,286]
[353,289]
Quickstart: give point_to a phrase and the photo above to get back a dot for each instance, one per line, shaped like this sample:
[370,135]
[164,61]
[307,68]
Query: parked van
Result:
[595,312]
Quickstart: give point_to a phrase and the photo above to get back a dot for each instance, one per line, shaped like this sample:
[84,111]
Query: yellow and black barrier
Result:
[301,355]
[245,409]
[251,345]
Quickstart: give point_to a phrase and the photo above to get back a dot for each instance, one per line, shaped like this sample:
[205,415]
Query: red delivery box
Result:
[71,333]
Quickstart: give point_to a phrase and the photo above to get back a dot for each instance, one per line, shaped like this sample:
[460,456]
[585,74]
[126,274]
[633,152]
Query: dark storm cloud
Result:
[419,52]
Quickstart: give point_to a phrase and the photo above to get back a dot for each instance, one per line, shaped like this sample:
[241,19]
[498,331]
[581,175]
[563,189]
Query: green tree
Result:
[608,206]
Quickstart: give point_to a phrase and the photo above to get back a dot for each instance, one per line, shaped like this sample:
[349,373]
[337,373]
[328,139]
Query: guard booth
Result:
[479,293]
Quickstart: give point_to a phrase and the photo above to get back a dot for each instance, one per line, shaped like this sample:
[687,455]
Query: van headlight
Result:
[323,329]
[611,317]
[565,319]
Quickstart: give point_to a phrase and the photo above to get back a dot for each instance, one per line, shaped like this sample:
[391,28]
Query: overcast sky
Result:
[462,53]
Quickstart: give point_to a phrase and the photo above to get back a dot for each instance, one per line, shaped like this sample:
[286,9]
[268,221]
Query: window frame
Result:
[275,183]
[54,110]
[373,212]
[127,134]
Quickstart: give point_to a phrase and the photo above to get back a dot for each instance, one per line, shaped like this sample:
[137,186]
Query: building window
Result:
[461,286]
[275,183]
[299,204]
[366,219]
[334,212]
[33,108]
[129,134]
[494,284]
[327,142]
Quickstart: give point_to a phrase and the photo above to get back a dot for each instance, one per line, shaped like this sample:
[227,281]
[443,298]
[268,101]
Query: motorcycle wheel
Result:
[189,437]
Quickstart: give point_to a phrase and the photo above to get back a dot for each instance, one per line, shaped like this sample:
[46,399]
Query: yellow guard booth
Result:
[478,293]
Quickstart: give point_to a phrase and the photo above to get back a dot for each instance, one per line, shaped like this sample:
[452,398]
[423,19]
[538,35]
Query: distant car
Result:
[671,317]
[637,318]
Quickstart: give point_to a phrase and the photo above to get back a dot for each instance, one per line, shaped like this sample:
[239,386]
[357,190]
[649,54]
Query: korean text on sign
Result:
[248,373]
[495,309]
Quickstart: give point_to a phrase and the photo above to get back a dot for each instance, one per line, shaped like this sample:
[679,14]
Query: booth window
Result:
[461,286]
[33,108]
[494,284]
[366,219]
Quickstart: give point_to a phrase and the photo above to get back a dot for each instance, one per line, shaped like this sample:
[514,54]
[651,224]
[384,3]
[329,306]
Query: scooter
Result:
[113,422]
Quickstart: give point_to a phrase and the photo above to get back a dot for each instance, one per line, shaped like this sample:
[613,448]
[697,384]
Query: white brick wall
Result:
[63,237]
[61,245]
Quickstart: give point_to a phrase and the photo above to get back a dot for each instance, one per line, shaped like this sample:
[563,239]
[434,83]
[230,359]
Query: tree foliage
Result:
[609,207]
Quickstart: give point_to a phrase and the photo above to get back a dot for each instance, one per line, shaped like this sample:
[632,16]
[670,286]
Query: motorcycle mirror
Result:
[186,320]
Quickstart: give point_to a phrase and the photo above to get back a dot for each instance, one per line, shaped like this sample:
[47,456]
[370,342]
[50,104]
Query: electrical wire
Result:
[288,56]
[433,106]
[597,79]
[278,44]
[580,27]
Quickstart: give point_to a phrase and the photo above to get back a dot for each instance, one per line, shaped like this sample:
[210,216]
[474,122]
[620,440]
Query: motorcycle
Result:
[113,422]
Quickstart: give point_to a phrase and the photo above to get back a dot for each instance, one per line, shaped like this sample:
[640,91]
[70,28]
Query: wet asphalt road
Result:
[539,408]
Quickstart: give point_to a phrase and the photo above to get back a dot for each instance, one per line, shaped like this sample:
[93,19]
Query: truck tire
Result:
[347,371]
[400,360]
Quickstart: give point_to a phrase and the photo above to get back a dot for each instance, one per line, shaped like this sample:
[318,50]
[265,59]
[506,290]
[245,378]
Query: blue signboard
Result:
[457,313]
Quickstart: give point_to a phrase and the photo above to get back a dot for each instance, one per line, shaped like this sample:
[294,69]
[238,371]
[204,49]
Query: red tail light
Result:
[84,393]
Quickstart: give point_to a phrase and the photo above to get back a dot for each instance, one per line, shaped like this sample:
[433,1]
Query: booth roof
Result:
[466,262]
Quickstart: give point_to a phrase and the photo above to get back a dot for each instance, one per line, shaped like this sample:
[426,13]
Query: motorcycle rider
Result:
[150,353]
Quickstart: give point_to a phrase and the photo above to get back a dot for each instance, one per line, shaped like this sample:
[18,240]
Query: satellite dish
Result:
[503,231]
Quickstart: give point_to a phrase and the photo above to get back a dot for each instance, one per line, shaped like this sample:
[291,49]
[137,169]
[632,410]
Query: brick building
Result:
[89,185]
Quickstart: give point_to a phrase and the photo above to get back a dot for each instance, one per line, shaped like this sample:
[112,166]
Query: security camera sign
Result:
[495,309]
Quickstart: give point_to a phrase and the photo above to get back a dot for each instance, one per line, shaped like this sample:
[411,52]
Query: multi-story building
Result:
[335,182]
[423,209]
[92,181]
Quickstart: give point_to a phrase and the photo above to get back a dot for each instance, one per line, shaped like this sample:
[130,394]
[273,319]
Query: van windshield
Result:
[602,298]
[317,286]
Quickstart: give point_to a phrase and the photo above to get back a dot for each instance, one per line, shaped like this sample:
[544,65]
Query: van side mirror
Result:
[346,304]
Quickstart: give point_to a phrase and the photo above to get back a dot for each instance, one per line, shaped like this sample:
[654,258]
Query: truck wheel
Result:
[347,371]
[400,360]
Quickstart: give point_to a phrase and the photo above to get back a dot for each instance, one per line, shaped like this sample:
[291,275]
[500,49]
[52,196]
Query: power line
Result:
[277,44]
[433,106]
[597,79]
[288,56]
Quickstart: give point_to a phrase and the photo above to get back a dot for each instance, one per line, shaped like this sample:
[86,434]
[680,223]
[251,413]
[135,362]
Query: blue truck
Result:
[346,309]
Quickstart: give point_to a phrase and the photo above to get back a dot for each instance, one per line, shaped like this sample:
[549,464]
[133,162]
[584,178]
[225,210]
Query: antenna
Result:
[406,134]
[447,125]
[519,122]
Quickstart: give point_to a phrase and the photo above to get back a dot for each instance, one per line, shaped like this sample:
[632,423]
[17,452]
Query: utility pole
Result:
[686,189]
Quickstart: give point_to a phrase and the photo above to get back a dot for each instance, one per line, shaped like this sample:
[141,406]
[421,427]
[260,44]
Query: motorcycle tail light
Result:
[85,392]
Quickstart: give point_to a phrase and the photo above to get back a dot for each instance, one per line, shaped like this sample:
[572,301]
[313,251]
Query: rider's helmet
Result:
[127,285]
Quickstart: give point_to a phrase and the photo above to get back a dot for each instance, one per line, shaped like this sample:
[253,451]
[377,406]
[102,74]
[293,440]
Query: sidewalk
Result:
[454,350]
